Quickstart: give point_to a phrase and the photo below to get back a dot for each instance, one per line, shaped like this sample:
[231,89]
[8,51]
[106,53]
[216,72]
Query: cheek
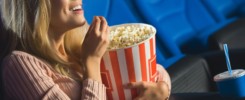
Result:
[59,6]
[58,11]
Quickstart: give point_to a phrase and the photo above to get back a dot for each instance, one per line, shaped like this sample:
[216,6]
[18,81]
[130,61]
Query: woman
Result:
[57,55]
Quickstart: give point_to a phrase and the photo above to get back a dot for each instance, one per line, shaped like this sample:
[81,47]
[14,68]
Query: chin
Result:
[82,23]
[78,25]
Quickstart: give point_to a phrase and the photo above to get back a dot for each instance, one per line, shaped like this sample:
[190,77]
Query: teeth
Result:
[77,8]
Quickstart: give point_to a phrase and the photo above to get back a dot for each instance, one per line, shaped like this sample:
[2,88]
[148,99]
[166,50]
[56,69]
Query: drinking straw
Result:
[227,58]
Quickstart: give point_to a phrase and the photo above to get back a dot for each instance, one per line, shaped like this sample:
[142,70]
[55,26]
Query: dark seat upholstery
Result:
[3,44]
[191,74]
[195,73]
[4,50]
[217,63]
[233,34]
[6,46]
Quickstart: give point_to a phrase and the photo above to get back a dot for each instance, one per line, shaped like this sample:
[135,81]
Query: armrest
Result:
[191,74]
[217,63]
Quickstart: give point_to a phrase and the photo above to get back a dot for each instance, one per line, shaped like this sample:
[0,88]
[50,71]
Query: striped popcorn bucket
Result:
[130,64]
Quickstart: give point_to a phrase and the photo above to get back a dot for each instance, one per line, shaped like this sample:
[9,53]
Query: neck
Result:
[57,41]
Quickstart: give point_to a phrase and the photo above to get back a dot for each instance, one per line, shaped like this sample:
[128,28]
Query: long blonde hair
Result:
[29,20]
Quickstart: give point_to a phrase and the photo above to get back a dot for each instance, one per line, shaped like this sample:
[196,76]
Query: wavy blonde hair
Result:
[29,20]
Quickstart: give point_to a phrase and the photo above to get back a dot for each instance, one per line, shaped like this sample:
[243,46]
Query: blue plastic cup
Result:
[231,85]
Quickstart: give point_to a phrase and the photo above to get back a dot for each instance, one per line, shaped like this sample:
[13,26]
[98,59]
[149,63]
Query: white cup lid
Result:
[225,75]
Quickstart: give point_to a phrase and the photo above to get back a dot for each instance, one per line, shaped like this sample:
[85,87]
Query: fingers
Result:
[98,33]
[140,97]
[96,40]
[104,25]
[138,85]
[150,90]
[163,86]
[91,28]
[100,25]
[104,29]
[97,26]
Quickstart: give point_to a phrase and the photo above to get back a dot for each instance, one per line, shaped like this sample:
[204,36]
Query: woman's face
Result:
[66,15]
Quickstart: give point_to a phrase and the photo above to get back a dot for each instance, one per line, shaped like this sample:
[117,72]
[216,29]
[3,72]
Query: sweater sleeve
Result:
[93,90]
[26,79]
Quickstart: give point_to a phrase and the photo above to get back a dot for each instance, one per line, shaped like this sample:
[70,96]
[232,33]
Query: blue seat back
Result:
[95,8]
[241,8]
[115,11]
[221,10]
[176,20]
[165,14]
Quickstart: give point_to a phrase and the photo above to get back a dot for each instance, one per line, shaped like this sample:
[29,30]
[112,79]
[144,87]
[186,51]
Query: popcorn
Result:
[128,35]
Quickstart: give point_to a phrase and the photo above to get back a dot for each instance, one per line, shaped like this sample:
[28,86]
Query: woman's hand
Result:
[150,90]
[94,46]
[159,90]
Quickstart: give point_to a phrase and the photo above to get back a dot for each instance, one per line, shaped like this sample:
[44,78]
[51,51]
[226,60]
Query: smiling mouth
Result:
[77,8]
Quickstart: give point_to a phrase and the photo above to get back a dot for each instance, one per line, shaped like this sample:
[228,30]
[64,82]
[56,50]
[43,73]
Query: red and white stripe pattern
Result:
[118,67]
